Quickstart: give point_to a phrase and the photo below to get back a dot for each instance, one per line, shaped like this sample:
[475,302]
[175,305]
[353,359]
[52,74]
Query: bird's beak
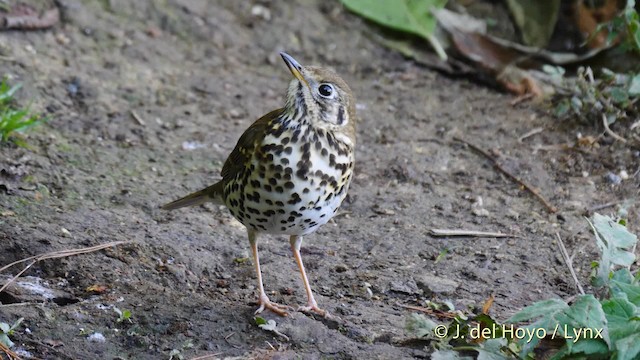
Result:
[294,67]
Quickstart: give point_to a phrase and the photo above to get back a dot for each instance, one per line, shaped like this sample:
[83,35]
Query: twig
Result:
[472,233]
[530,133]
[8,58]
[609,131]
[137,118]
[603,206]
[226,339]
[59,354]
[10,354]
[568,261]
[440,314]
[208,356]
[55,255]
[552,209]
[522,98]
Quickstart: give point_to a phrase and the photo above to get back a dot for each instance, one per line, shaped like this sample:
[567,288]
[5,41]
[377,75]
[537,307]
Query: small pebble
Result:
[97,338]
[260,11]
[192,145]
[480,212]
[613,178]
[624,175]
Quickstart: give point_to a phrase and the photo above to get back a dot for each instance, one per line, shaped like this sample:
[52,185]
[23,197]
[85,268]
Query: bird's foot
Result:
[314,309]
[265,303]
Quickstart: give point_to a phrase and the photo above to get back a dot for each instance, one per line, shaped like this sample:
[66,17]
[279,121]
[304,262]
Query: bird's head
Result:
[322,97]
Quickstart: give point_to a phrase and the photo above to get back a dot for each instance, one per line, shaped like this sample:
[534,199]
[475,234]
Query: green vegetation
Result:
[11,119]
[410,16]
[626,26]
[123,315]
[602,325]
[6,330]
[611,96]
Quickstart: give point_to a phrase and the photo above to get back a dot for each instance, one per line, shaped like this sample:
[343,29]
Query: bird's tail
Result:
[213,193]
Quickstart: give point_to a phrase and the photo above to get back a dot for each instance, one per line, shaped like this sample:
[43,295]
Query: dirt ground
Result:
[197,73]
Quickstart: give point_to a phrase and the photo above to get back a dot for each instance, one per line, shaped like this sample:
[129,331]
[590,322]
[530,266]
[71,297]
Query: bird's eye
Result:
[325,90]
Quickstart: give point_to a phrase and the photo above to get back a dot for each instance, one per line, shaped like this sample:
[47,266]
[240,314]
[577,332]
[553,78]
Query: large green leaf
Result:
[615,243]
[629,291]
[411,16]
[585,313]
[629,347]
[546,311]
[492,349]
[623,318]
[545,308]
[536,19]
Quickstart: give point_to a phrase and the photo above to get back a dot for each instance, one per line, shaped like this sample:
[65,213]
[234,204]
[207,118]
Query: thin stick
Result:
[55,255]
[522,98]
[472,233]
[609,131]
[530,133]
[568,262]
[137,118]
[208,356]
[17,276]
[440,314]
[60,354]
[552,209]
[10,354]
[603,206]
[8,58]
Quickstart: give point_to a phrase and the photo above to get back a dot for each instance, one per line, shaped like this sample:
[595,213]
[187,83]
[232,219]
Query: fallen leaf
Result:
[96,289]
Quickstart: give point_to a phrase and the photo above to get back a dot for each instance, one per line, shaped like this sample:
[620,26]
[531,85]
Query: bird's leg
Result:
[263,300]
[312,305]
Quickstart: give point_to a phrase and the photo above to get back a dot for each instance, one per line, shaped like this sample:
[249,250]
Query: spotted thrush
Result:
[291,169]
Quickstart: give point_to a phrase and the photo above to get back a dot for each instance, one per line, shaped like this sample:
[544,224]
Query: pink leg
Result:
[264,301]
[312,305]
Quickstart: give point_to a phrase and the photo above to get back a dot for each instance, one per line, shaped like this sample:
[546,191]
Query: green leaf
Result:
[16,324]
[6,93]
[622,318]
[536,19]
[585,313]
[631,292]
[589,347]
[541,308]
[411,16]
[634,85]
[547,310]
[4,327]
[448,355]
[614,242]
[4,339]
[419,325]
[492,349]
[623,275]
[619,95]
[260,320]
[613,232]
[629,347]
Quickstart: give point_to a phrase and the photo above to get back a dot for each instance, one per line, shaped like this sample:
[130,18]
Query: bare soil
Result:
[197,73]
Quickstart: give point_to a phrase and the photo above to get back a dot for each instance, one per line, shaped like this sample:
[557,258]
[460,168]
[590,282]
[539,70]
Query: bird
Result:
[290,170]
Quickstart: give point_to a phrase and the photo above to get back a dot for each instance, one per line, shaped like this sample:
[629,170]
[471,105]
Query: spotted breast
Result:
[296,179]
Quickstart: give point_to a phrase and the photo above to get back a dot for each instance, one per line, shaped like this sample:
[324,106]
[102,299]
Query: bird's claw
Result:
[279,309]
[313,308]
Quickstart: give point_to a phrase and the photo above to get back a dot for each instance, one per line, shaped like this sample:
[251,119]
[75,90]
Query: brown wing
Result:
[246,145]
